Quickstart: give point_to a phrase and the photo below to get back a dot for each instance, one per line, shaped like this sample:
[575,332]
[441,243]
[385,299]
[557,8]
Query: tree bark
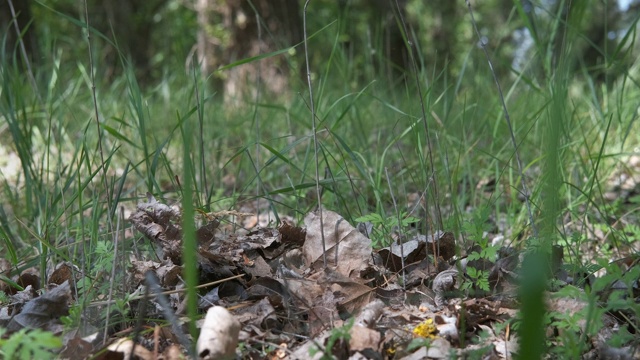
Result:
[129,23]
[232,30]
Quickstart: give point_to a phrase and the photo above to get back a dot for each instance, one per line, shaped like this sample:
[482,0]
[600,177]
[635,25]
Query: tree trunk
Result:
[130,24]
[232,30]
[22,11]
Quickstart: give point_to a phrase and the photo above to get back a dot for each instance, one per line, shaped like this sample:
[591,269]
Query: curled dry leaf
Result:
[444,243]
[168,273]
[159,223]
[63,272]
[443,283]
[292,234]
[219,335]
[29,277]
[413,250]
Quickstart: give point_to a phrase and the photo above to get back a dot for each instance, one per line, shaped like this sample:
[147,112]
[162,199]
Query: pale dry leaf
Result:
[303,352]
[363,338]
[447,326]
[127,347]
[219,335]
[348,251]
[506,349]
[439,348]
[260,314]
[370,314]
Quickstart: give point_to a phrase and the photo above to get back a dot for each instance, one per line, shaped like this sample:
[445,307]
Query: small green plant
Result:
[28,344]
[632,232]
[384,226]
[338,335]
[483,250]
[4,298]
[418,343]
[574,327]
[479,279]
[73,319]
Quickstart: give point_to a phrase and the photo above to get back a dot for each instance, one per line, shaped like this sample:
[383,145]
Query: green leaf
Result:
[30,344]
[375,219]
[474,256]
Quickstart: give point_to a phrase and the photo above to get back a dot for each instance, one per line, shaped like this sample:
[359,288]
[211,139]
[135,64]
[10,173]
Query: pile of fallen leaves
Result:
[318,291]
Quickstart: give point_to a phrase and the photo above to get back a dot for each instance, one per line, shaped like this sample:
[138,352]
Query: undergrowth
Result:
[572,133]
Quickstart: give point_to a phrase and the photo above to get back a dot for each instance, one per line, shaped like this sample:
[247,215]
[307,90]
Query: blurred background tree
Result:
[157,38]
[233,30]
[22,28]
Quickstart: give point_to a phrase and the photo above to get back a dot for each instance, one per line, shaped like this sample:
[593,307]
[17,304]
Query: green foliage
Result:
[384,226]
[477,225]
[103,261]
[479,279]
[419,342]
[28,344]
[72,320]
[339,336]
[4,298]
[475,229]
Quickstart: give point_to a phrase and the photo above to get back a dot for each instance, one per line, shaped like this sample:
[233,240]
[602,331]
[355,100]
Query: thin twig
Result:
[315,135]
[169,292]
[507,118]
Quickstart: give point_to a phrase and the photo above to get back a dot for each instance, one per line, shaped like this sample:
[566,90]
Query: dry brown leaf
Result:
[76,348]
[63,272]
[160,224]
[317,300]
[350,296]
[348,251]
[44,311]
[261,314]
[363,338]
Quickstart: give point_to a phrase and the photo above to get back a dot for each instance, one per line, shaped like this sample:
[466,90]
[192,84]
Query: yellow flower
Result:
[425,329]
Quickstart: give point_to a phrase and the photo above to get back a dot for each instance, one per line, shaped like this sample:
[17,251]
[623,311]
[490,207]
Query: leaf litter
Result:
[269,290]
